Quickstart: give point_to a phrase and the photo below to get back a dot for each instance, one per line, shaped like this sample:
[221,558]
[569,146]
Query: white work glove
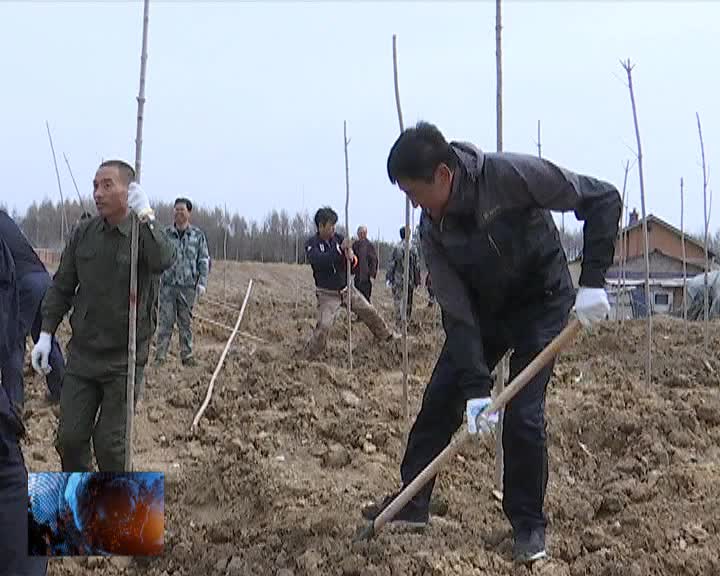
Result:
[40,355]
[200,291]
[591,305]
[138,201]
[473,408]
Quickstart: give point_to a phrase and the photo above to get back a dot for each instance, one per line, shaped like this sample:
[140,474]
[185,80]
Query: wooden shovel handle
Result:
[431,470]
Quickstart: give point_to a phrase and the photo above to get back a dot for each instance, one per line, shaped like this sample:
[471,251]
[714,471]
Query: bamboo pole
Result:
[622,247]
[684,257]
[132,324]
[503,368]
[628,68]
[225,260]
[63,215]
[348,264]
[406,263]
[706,304]
[205,403]
[82,204]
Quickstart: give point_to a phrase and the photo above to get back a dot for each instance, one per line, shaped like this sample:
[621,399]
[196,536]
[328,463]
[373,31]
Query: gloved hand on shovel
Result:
[591,305]
[473,408]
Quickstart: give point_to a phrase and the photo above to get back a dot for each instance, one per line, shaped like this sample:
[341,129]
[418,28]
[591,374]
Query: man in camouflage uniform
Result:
[94,280]
[182,284]
[396,273]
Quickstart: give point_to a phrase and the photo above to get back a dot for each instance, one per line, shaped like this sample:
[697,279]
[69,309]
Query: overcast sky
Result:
[246,101]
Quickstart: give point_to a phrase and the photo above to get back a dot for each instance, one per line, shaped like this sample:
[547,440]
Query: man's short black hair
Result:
[417,152]
[325,215]
[127,172]
[185,201]
[402,233]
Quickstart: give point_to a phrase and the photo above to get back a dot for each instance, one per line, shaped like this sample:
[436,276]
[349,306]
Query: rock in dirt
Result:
[309,562]
[285,572]
[155,415]
[595,539]
[369,448]
[350,399]
[336,457]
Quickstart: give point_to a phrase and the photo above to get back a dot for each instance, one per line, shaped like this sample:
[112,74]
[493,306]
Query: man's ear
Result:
[443,174]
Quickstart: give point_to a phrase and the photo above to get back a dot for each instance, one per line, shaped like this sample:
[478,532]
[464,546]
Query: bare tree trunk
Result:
[347,237]
[684,257]
[628,68]
[622,247]
[132,324]
[63,215]
[706,304]
[503,366]
[406,266]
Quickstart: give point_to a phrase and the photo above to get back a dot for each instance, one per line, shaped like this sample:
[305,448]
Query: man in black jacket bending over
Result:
[329,255]
[500,275]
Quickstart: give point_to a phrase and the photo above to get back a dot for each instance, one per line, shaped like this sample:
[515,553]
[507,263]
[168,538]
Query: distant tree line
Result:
[279,237]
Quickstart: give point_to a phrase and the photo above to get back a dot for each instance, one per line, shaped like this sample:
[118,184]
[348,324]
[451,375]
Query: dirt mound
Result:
[289,451]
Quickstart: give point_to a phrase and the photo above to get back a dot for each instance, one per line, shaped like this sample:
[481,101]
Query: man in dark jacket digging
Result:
[500,275]
[328,254]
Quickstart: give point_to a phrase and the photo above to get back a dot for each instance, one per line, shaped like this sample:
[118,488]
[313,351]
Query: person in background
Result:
[329,254]
[367,266]
[182,284]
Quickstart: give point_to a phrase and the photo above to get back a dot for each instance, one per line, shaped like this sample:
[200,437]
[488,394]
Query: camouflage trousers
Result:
[329,304]
[176,303]
[397,292]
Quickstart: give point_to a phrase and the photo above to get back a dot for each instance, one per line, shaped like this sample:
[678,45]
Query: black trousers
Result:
[524,441]
[14,558]
[364,287]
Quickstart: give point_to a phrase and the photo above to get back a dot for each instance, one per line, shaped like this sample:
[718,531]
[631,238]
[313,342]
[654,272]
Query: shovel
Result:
[431,470]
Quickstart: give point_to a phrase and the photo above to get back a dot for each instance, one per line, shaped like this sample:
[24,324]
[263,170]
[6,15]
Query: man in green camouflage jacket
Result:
[396,273]
[94,280]
[182,284]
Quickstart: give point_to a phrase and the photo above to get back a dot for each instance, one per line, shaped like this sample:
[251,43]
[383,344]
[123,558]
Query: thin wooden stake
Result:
[706,305]
[406,264]
[205,403]
[348,264]
[134,235]
[503,367]
[684,257]
[628,68]
[618,317]
[225,260]
[82,204]
[63,215]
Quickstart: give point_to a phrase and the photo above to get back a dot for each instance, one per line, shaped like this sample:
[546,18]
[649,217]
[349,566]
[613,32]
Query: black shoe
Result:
[189,362]
[411,515]
[529,546]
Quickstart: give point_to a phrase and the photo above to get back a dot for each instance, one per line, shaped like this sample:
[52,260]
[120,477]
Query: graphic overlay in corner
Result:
[96,513]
